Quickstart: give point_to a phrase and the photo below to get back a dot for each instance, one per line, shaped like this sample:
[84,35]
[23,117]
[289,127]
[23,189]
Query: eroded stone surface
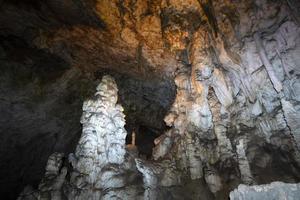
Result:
[99,162]
[236,68]
[274,190]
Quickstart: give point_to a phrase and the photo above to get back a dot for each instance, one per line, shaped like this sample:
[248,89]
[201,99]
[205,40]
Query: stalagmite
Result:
[193,150]
[99,162]
[150,177]
[163,145]
[223,142]
[212,179]
[133,138]
[51,186]
[103,140]
[244,166]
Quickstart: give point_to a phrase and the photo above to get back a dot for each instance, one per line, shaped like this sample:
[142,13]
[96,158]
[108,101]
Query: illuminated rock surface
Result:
[275,190]
[210,87]
[98,162]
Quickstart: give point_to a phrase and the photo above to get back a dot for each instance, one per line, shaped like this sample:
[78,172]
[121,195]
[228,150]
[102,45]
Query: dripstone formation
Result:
[98,168]
[211,87]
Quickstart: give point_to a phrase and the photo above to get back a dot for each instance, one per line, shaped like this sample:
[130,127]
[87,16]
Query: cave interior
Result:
[149,99]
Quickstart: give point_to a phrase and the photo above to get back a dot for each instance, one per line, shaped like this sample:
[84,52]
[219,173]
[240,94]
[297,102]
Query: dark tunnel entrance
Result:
[146,101]
[143,138]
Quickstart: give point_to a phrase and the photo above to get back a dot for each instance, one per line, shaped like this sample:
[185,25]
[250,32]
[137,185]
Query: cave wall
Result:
[234,109]
[235,65]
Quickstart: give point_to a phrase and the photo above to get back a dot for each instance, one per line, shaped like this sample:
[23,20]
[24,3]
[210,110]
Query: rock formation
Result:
[99,160]
[275,190]
[210,87]
[51,185]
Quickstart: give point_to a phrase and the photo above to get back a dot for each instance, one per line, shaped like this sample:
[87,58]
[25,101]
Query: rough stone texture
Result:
[99,162]
[235,117]
[102,168]
[103,136]
[274,190]
[244,166]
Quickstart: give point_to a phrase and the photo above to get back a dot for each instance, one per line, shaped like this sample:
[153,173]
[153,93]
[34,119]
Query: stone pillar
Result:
[102,143]
[244,166]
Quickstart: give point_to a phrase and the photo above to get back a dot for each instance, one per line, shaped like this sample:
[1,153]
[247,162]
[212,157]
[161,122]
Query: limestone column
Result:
[244,166]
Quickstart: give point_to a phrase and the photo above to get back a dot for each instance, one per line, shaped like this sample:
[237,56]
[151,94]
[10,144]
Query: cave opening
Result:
[142,137]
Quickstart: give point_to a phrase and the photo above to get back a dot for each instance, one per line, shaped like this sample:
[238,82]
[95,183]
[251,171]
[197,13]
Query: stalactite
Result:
[207,6]
[264,58]
[283,64]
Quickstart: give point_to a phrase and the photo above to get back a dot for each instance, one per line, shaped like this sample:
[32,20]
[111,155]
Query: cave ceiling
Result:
[140,38]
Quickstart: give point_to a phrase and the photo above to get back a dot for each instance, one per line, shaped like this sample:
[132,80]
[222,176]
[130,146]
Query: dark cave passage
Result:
[144,139]
[146,103]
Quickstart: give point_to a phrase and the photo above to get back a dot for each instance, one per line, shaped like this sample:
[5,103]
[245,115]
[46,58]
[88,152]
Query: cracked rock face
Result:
[211,87]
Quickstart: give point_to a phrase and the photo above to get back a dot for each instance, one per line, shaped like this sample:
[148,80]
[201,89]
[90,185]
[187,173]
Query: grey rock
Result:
[274,190]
